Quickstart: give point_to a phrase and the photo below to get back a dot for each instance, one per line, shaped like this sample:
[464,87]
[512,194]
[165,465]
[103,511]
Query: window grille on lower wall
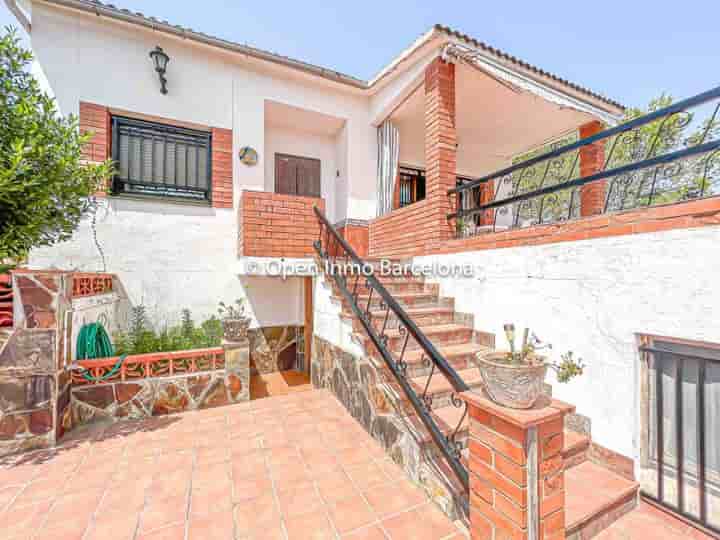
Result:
[161,160]
[680,449]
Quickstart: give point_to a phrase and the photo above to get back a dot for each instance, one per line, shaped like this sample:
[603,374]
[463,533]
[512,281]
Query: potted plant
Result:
[515,379]
[235,323]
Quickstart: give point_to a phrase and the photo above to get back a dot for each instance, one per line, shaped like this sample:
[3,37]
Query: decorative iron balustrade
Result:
[144,366]
[331,247]
[669,155]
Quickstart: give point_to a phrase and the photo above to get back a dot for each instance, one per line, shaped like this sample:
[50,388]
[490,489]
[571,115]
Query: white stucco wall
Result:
[327,323]
[169,257]
[591,297]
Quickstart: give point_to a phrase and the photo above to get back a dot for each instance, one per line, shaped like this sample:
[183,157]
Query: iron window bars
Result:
[683,451]
[330,246]
[161,160]
[669,155]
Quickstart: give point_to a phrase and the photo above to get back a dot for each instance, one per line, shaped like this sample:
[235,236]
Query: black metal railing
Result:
[683,447]
[331,247]
[669,155]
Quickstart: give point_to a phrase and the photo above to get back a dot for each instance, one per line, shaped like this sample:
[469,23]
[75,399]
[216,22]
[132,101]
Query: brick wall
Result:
[700,213]
[403,232]
[276,225]
[592,160]
[222,173]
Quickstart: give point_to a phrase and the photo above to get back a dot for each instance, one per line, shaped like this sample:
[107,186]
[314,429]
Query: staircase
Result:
[6,301]
[595,496]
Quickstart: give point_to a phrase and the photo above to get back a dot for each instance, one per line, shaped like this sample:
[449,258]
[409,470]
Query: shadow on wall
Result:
[274,301]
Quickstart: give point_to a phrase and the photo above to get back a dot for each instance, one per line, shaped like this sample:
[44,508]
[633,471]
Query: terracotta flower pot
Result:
[235,329]
[517,386]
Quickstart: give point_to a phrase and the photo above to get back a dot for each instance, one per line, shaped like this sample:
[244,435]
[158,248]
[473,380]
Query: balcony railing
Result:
[669,155]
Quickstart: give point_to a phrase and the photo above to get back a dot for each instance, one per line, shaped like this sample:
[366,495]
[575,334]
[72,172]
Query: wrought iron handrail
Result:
[447,445]
[637,150]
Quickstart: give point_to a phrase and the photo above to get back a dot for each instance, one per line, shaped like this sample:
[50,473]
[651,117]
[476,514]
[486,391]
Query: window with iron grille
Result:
[157,159]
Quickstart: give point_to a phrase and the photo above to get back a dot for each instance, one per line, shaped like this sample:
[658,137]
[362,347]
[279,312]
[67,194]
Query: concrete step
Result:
[575,449]
[422,316]
[406,300]
[438,334]
[459,356]
[595,497]
[440,388]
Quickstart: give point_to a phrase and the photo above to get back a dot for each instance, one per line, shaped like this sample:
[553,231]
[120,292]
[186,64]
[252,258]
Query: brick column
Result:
[592,160]
[440,146]
[517,487]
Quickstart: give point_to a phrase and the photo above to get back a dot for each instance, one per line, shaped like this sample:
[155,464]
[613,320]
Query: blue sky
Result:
[628,50]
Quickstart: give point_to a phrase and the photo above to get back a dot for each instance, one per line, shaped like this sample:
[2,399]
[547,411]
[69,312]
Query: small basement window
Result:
[161,160]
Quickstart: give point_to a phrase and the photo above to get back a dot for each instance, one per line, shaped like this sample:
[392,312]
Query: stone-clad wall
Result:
[34,390]
[364,392]
[142,398]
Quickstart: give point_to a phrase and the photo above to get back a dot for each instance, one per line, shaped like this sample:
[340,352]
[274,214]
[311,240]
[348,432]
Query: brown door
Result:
[296,175]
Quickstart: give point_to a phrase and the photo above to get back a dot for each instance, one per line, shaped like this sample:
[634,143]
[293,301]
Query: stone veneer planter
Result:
[188,380]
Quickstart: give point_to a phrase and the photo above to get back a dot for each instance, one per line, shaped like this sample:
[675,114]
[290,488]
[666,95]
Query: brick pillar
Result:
[440,146]
[592,160]
[517,486]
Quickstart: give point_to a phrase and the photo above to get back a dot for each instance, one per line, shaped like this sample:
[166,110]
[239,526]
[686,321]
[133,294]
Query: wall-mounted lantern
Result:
[160,59]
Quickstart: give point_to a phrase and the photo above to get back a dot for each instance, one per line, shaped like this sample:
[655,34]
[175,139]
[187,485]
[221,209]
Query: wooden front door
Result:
[296,175]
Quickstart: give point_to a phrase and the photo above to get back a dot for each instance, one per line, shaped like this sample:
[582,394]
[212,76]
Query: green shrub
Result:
[142,338]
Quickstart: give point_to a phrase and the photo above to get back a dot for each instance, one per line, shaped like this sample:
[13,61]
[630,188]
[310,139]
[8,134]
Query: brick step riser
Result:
[393,322]
[454,337]
[394,288]
[424,301]
[418,369]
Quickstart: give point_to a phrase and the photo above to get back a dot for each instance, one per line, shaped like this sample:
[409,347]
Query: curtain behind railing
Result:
[388,139]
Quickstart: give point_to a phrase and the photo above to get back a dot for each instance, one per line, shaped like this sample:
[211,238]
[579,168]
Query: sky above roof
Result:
[628,51]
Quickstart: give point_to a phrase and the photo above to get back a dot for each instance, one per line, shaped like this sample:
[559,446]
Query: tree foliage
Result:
[44,184]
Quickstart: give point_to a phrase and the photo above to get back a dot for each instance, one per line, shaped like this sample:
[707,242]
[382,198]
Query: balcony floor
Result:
[286,467]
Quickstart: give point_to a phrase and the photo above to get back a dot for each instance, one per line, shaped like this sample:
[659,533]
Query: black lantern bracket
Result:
[160,59]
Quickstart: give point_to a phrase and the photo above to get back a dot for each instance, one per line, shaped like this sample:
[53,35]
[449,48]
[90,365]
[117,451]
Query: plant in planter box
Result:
[235,323]
[515,378]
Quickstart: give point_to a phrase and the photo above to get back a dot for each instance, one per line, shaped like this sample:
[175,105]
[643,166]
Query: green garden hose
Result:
[94,342]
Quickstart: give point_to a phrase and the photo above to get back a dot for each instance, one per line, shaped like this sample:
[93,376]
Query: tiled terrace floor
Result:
[287,467]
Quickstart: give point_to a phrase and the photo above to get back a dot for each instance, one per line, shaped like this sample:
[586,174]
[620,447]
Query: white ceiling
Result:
[280,115]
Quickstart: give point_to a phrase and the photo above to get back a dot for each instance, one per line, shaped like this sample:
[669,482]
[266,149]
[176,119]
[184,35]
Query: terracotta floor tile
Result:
[8,494]
[372,532]
[387,499]
[289,474]
[282,455]
[211,498]
[336,486]
[272,531]
[424,523]
[79,506]
[250,487]
[354,456]
[351,513]
[216,526]
[159,514]
[312,526]
[255,515]
[40,490]
[68,530]
[172,484]
[120,525]
[248,464]
[130,498]
[174,532]
[22,519]
[213,474]
[367,475]
[298,499]
[391,469]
